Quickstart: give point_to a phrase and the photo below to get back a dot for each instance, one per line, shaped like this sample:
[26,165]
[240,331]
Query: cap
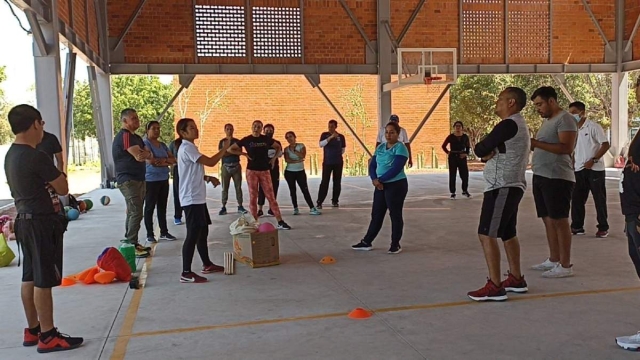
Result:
[394,117]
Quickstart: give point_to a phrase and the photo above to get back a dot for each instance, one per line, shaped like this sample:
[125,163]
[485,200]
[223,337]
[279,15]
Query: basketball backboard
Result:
[420,66]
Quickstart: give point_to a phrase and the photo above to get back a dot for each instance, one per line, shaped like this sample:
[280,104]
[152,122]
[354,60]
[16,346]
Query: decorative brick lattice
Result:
[277,32]
[220,31]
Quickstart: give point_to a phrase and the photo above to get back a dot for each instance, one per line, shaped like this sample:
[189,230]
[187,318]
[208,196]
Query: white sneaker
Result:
[558,272]
[629,342]
[545,265]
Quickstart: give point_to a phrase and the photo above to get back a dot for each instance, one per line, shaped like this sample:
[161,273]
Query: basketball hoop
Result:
[429,79]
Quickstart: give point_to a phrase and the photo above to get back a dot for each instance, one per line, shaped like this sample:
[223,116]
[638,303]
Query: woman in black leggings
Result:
[458,150]
[294,155]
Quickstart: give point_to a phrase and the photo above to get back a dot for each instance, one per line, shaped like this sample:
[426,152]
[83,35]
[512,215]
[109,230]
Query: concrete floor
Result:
[298,310]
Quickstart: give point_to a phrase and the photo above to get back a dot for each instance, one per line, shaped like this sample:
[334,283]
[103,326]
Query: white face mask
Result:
[577,117]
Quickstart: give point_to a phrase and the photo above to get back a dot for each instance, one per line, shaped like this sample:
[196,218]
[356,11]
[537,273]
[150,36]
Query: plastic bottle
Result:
[129,252]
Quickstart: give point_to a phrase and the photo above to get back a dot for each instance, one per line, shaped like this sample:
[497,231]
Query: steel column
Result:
[619,111]
[132,18]
[412,18]
[314,81]
[69,83]
[355,22]
[100,89]
[49,97]
[430,112]
[597,24]
[185,82]
[385,51]
[560,80]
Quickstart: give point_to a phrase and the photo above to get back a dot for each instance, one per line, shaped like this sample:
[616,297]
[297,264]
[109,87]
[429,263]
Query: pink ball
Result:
[266,227]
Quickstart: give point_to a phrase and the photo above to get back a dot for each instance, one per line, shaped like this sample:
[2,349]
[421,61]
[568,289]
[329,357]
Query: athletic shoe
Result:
[319,207]
[453,196]
[545,265]
[151,239]
[211,269]
[512,284]
[314,211]
[191,277]
[577,231]
[177,221]
[271,212]
[362,246]
[335,204]
[168,237]
[629,342]
[466,194]
[142,248]
[489,292]
[602,234]
[558,272]
[223,211]
[55,341]
[283,225]
[296,211]
[30,339]
[260,213]
[395,249]
[242,210]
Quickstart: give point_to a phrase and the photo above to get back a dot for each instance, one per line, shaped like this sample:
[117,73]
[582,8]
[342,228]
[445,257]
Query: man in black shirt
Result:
[50,145]
[333,145]
[269,130]
[35,185]
[129,156]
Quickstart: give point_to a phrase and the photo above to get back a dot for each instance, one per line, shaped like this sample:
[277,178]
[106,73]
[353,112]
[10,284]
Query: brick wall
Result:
[290,103]
[164,31]
[632,11]
[72,13]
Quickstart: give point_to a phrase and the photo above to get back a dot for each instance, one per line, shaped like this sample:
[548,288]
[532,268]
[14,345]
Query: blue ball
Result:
[73,214]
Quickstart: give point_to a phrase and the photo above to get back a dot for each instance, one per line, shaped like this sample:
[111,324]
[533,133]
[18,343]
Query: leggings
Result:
[197,221]
[301,178]
[262,178]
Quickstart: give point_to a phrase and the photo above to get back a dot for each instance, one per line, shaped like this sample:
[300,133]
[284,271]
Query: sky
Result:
[17,56]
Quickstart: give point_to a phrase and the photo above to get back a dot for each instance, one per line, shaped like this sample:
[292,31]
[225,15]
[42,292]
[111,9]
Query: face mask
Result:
[577,117]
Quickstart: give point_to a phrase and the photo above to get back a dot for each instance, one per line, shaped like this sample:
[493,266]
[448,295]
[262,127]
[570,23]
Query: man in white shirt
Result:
[402,137]
[591,145]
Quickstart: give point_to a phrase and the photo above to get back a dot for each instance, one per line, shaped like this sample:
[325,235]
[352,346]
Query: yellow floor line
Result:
[382,310]
[120,348]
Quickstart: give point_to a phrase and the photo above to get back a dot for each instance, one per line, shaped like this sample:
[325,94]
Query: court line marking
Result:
[122,342]
[382,310]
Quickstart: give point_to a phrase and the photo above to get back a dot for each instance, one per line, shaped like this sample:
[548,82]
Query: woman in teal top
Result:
[386,170]
[294,155]
[157,183]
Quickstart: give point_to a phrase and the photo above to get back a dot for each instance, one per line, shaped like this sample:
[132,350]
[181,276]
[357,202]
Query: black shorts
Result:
[41,241]
[552,197]
[196,215]
[499,215]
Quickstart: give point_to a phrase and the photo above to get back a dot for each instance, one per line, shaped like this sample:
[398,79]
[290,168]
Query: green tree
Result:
[146,94]
[6,136]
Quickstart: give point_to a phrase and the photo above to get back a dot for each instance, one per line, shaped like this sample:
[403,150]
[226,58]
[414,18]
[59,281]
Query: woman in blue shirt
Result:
[157,182]
[386,170]
[294,155]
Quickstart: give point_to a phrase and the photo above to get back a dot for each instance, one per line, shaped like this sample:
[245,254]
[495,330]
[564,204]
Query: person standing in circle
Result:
[458,151]
[193,197]
[157,183]
[231,169]
[386,170]
[177,212]
[269,131]
[258,169]
[294,155]
[333,145]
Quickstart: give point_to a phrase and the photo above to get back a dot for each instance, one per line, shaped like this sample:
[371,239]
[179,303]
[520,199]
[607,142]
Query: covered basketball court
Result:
[299,309]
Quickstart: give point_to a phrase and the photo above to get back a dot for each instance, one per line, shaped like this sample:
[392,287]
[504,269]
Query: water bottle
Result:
[129,252]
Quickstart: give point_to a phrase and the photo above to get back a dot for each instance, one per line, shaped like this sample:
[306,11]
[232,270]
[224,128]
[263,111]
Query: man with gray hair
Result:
[506,154]
[129,156]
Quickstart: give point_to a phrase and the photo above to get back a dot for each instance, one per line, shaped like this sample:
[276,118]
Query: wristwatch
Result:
[595,160]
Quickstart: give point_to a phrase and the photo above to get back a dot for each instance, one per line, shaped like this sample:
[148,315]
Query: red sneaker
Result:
[489,292]
[512,284]
[58,342]
[212,268]
[192,277]
[29,338]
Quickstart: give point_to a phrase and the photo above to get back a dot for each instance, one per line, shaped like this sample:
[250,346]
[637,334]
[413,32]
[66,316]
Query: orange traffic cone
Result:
[327,260]
[359,313]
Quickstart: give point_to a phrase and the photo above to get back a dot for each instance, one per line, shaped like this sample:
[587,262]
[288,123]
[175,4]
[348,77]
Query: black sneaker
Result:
[271,212]
[223,211]
[151,239]
[335,204]
[577,231]
[395,249]
[168,237]
[453,196]
[362,246]
[54,341]
[260,213]
[466,194]
[319,207]
[283,225]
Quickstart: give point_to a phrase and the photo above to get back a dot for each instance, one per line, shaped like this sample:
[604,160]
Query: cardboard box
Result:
[257,249]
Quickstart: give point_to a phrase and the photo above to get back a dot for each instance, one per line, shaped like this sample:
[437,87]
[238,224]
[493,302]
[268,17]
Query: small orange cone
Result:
[327,260]
[68,281]
[359,313]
